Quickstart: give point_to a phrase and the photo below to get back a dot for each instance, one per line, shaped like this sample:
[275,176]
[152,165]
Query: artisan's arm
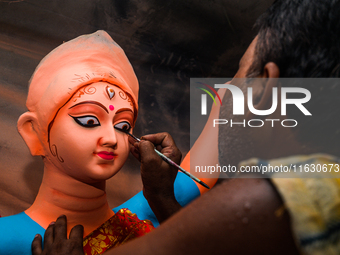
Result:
[204,152]
[158,176]
[185,191]
[240,216]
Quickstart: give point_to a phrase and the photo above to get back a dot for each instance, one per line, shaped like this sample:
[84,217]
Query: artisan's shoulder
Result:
[256,214]
[240,216]
[16,234]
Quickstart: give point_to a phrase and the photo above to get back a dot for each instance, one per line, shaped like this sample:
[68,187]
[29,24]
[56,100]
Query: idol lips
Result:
[106,155]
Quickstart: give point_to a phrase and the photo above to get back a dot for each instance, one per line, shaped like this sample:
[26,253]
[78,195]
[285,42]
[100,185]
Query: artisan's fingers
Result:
[49,236]
[36,245]
[147,152]
[165,144]
[76,236]
[60,228]
[134,148]
[164,139]
[132,140]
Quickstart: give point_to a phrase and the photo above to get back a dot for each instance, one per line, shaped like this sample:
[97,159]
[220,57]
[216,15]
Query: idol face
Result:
[84,142]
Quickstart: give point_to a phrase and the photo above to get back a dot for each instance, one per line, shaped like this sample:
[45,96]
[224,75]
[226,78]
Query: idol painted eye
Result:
[87,121]
[123,126]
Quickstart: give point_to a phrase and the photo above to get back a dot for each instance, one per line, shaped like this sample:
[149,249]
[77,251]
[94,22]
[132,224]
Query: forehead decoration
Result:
[110,92]
[73,66]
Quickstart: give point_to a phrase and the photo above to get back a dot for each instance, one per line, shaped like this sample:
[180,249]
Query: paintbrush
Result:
[169,161]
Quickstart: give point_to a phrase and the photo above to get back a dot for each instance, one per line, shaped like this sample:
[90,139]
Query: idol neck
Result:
[61,194]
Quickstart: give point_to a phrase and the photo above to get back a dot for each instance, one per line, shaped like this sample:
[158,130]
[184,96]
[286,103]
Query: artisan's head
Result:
[296,39]
[301,37]
[66,73]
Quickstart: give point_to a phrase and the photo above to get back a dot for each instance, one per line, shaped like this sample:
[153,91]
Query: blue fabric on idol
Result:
[18,231]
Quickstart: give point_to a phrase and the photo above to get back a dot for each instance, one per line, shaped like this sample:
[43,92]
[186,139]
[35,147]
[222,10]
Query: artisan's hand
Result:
[56,241]
[157,175]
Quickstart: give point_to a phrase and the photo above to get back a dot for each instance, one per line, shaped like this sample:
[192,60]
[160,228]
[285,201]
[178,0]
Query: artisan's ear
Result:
[270,70]
[29,130]
[263,89]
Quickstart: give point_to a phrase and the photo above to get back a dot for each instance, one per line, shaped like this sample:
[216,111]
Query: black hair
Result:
[302,37]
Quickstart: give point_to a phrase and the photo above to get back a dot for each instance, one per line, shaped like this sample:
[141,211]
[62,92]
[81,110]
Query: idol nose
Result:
[108,137]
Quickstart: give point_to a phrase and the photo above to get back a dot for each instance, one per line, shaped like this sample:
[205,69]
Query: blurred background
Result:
[167,42]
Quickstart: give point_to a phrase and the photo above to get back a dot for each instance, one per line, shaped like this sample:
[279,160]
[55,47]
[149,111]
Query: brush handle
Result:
[170,162]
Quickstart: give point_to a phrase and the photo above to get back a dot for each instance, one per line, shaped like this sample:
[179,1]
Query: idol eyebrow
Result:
[91,102]
[123,110]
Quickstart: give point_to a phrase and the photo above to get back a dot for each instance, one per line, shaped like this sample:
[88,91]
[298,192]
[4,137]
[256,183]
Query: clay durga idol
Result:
[79,96]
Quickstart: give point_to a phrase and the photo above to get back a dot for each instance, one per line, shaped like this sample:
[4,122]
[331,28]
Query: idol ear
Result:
[265,92]
[28,128]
